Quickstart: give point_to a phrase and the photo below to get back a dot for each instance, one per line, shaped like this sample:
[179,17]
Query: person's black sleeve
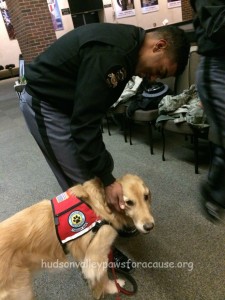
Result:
[211,16]
[95,93]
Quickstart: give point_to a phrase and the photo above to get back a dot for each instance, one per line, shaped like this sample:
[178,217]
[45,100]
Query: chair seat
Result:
[183,128]
[145,115]
[118,109]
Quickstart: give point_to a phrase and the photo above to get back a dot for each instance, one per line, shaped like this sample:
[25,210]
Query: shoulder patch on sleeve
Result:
[115,75]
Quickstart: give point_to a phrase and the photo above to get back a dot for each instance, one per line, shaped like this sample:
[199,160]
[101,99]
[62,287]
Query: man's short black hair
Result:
[179,45]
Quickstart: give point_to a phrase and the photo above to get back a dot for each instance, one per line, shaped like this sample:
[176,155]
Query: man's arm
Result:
[96,91]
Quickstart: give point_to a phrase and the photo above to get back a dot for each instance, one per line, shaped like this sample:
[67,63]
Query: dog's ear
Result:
[80,192]
[148,195]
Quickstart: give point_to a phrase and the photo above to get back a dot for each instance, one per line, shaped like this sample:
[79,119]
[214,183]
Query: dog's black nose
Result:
[148,226]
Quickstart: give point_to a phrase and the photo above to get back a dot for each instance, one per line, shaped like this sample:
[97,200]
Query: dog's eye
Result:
[130,202]
[146,197]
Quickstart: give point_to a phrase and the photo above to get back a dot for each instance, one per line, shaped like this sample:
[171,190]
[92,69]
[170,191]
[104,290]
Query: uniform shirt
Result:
[82,74]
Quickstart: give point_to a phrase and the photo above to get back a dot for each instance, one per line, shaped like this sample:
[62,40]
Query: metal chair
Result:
[186,130]
[120,110]
[147,116]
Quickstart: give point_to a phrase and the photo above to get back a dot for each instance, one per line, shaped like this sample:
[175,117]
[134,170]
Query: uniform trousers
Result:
[51,130]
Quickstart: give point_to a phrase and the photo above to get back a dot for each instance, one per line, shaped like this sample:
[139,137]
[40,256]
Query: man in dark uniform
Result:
[209,25]
[74,82]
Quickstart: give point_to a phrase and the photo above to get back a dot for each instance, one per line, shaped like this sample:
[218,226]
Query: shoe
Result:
[214,211]
[212,208]
[121,262]
[128,232]
[213,189]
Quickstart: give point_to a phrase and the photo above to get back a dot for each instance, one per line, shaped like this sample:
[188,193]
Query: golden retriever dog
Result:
[29,237]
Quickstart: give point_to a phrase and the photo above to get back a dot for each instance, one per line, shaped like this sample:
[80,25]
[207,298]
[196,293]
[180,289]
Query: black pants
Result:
[211,89]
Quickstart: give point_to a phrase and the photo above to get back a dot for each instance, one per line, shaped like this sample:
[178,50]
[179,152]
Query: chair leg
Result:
[130,131]
[125,127]
[164,143]
[150,137]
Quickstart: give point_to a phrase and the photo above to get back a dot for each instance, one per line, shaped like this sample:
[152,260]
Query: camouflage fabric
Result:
[170,103]
[185,107]
[196,116]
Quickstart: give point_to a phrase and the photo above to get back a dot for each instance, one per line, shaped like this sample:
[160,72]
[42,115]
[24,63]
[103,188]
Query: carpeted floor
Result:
[183,258]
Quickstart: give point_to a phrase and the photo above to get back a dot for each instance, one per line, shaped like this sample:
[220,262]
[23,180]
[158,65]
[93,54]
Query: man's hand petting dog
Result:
[114,196]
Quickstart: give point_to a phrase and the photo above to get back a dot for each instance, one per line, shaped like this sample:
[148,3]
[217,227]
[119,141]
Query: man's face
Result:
[155,64]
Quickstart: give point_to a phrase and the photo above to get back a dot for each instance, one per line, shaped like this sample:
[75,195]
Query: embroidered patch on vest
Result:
[73,217]
[77,220]
[62,197]
[114,75]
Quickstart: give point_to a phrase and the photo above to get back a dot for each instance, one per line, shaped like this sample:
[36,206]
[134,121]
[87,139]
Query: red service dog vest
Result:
[73,217]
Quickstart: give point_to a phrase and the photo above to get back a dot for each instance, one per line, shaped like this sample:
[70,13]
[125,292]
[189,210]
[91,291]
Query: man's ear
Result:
[159,45]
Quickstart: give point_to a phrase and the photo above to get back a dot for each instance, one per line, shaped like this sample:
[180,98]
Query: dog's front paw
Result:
[121,282]
[111,287]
